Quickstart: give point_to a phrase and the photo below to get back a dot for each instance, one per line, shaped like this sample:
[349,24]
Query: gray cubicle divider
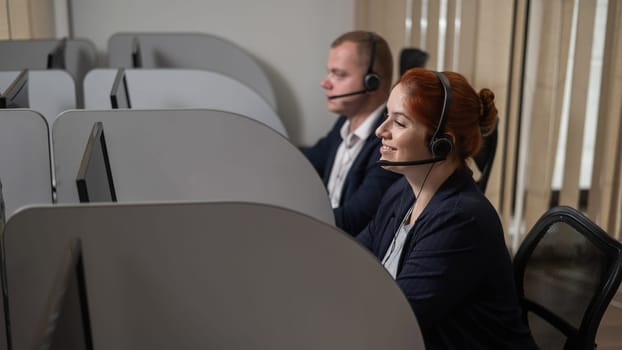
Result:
[191,50]
[80,57]
[25,167]
[3,333]
[50,92]
[207,276]
[164,155]
[181,88]
[6,78]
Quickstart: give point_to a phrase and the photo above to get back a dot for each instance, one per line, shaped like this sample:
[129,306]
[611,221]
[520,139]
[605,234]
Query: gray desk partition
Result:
[50,92]
[181,88]
[25,167]
[6,77]
[80,57]
[192,50]
[188,154]
[3,334]
[207,276]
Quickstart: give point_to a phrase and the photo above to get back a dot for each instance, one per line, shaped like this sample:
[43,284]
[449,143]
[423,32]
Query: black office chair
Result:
[567,270]
[485,158]
[411,57]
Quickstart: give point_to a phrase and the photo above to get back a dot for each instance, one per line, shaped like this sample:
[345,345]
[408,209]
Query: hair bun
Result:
[488,112]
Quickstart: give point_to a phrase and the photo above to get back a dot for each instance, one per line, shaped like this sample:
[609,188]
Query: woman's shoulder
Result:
[399,192]
[467,207]
[398,195]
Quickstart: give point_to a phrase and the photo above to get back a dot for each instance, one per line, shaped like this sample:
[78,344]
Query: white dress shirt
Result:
[349,149]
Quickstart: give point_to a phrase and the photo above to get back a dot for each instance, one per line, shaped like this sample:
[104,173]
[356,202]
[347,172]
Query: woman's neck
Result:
[424,183]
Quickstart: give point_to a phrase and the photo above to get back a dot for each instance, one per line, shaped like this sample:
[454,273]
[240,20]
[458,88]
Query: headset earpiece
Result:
[371,81]
[441,144]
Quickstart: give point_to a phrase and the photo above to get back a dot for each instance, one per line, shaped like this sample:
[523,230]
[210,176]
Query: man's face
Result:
[345,73]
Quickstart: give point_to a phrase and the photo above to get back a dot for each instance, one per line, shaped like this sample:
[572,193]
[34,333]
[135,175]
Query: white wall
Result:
[290,39]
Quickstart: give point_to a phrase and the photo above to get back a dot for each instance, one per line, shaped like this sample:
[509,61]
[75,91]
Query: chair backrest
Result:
[485,158]
[411,57]
[567,270]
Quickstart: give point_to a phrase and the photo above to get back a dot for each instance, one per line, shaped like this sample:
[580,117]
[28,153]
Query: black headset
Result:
[441,143]
[371,81]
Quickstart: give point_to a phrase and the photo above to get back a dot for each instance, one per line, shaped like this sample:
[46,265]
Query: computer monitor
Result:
[120,95]
[94,180]
[16,94]
[66,323]
[137,58]
[56,57]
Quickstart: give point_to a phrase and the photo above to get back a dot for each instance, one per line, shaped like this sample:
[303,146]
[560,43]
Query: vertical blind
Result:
[556,69]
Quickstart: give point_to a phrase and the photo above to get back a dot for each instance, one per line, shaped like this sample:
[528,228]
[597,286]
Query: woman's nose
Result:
[381,130]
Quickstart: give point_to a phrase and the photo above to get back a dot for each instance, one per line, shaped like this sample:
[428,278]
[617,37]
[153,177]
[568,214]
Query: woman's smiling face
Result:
[403,137]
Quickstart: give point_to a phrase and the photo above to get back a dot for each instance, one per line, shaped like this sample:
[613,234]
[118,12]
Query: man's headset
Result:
[441,143]
[371,80]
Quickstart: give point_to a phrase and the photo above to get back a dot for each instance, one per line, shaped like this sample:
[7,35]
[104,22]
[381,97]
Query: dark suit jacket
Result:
[455,269]
[365,183]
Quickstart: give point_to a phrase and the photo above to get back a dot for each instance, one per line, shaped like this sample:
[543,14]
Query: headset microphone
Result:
[410,162]
[348,94]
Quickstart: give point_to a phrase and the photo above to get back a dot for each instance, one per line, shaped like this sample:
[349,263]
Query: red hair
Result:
[470,117]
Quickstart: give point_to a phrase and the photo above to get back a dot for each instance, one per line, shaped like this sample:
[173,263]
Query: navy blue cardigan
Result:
[455,269]
[365,183]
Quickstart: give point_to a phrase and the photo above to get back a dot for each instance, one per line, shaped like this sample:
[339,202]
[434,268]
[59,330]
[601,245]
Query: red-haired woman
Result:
[435,231]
